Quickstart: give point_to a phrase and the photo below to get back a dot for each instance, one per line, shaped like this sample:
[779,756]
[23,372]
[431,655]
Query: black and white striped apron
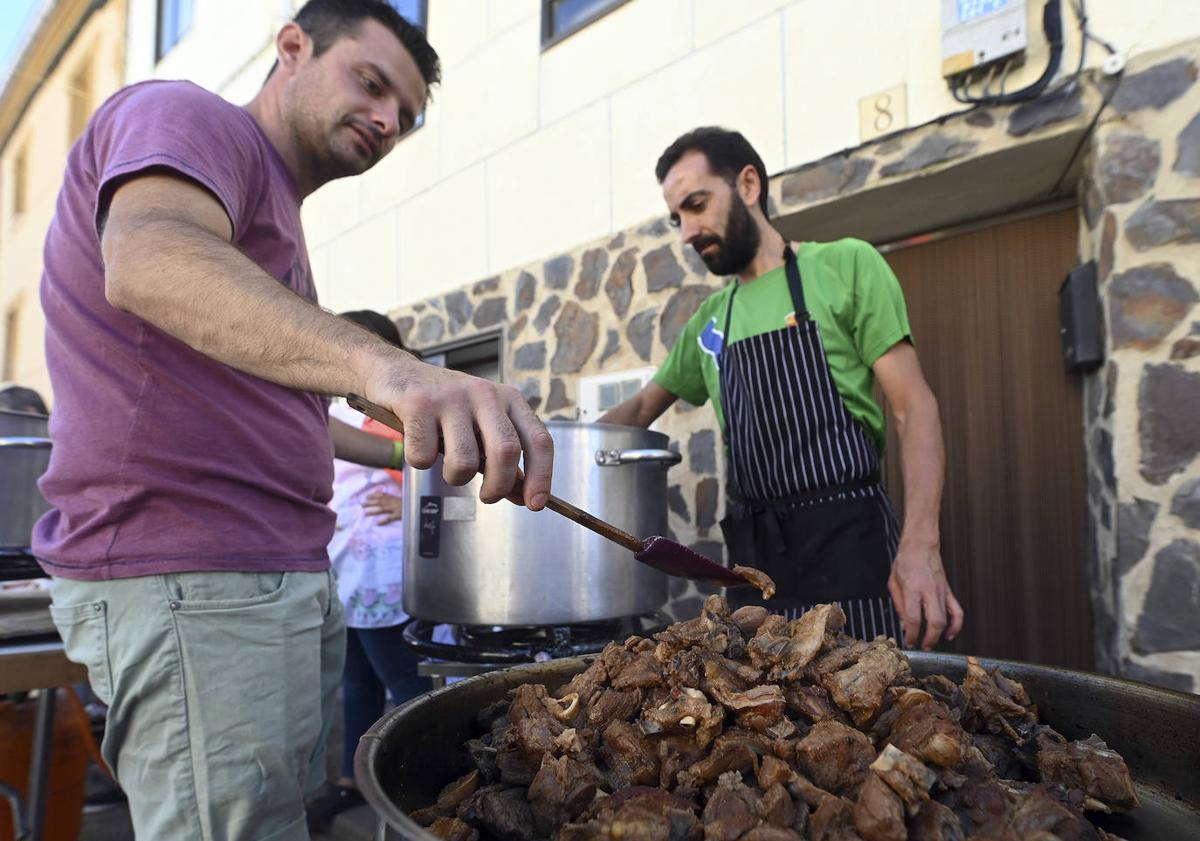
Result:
[805,503]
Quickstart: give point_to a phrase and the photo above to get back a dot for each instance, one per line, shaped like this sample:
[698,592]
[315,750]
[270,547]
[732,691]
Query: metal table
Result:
[28,664]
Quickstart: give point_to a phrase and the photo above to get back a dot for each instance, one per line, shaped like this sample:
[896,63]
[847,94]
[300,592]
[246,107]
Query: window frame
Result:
[160,50]
[551,38]
[423,11]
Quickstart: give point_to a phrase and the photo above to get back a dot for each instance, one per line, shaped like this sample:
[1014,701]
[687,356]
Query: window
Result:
[81,99]
[20,178]
[479,357]
[415,12]
[174,20]
[561,18]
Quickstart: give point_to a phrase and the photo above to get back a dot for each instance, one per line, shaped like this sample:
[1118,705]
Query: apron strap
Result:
[795,287]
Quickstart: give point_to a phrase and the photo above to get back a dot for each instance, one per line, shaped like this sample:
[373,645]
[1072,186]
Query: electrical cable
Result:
[1108,95]
[1052,27]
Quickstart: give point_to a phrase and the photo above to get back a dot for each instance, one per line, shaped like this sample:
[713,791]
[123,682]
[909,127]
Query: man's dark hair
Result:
[727,152]
[325,21]
[380,325]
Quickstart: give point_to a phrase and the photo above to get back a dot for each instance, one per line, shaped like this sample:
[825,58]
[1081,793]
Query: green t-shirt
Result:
[850,292]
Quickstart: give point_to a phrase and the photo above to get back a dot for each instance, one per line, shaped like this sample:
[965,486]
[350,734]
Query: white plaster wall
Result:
[541,150]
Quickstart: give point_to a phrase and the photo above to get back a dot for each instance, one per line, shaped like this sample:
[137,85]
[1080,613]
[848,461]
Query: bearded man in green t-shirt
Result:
[789,353]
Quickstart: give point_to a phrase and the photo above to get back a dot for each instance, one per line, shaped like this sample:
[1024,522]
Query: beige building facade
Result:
[73,59]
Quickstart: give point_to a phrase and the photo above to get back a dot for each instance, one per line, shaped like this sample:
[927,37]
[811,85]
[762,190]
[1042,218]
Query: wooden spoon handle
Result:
[555,504]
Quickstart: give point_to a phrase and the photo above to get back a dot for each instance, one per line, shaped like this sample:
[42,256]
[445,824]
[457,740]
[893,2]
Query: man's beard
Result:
[737,248]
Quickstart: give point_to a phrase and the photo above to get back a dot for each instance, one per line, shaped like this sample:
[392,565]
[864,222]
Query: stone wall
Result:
[610,305]
[1141,223]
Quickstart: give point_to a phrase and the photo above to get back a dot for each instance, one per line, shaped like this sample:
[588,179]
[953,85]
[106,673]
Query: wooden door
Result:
[984,312]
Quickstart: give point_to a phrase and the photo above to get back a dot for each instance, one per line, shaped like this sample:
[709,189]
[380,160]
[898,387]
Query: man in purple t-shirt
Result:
[192,454]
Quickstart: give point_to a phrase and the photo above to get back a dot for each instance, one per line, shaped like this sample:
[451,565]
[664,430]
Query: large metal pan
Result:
[409,754]
[24,455]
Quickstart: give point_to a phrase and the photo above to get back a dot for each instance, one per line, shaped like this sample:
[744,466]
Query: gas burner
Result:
[527,643]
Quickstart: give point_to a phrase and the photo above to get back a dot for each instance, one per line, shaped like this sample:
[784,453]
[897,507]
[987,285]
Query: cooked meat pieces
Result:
[749,619]
[642,671]
[1088,765]
[609,705]
[776,807]
[925,728]
[635,814]
[560,791]
[502,811]
[632,759]
[935,822]
[687,711]
[773,731]
[835,757]
[996,703]
[757,578]
[731,811]
[859,689]
[449,799]
[452,829]
[731,756]
[878,812]
[906,775]
[812,703]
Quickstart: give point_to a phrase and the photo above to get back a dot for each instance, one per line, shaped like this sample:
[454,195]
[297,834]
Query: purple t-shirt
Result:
[164,459]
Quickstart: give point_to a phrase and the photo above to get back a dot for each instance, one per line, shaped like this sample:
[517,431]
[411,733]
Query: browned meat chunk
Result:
[1040,811]
[683,635]
[631,758]
[811,703]
[833,820]
[1088,765]
[844,654]
[776,807]
[878,812]
[996,703]
[766,832]
[731,756]
[731,811]
[643,670]
[519,749]
[835,757]
[859,689]
[448,799]
[906,775]
[935,823]
[676,753]
[502,811]
[757,578]
[483,757]
[586,683]
[560,791]
[769,644]
[688,711]
[452,829]
[999,753]
[766,700]
[947,691]
[635,814]
[926,729]
[612,705]
[749,619]
[773,770]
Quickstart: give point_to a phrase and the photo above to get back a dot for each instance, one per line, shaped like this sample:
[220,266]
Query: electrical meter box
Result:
[976,33]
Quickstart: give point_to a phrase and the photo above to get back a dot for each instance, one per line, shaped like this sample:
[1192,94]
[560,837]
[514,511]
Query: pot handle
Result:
[21,442]
[614,458]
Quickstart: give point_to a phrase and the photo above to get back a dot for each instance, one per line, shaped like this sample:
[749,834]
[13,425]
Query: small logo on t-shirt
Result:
[790,319]
[712,341]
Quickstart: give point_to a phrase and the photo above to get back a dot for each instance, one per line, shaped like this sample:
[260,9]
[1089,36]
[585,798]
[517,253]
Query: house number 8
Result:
[883,114]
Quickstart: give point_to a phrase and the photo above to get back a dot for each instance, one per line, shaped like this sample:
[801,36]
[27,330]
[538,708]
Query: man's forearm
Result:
[354,445]
[202,290]
[922,462]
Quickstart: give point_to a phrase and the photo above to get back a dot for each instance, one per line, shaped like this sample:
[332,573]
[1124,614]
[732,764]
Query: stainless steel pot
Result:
[473,564]
[409,754]
[24,455]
